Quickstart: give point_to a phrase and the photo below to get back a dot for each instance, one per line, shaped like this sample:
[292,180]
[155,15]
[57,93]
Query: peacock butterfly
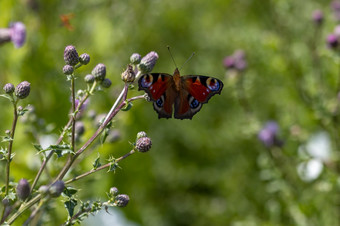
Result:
[186,93]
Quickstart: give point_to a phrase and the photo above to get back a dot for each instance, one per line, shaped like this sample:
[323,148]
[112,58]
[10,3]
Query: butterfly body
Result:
[185,93]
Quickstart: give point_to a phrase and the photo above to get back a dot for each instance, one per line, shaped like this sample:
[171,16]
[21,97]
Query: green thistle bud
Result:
[143,144]
[68,69]
[113,191]
[84,58]
[23,90]
[9,88]
[129,74]
[43,189]
[57,188]
[122,200]
[141,134]
[135,58]
[106,83]
[89,78]
[23,189]
[71,55]
[99,72]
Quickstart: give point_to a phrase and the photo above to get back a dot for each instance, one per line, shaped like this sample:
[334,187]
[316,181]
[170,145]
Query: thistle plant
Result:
[32,194]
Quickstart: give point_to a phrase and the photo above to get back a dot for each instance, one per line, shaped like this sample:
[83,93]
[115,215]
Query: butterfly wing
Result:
[160,88]
[195,91]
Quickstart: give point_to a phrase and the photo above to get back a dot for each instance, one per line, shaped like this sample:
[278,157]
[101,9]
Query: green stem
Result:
[10,145]
[99,168]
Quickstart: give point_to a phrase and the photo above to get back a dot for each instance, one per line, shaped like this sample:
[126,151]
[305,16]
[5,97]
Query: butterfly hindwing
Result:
[196,90]
[159,87]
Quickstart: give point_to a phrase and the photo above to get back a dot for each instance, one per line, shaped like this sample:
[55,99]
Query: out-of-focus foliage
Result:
[211,170]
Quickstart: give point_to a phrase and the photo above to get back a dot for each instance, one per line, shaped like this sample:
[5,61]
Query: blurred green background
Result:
[211,170]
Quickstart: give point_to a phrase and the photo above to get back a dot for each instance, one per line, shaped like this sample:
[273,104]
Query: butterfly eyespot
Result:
[146,81]
[159,102]
[193,103]
[213,84]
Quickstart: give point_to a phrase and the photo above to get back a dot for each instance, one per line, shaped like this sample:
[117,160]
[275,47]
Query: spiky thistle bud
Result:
[23,189]
[143,144]
[89,78]
[141,134]
[99,72]
[84,58]
[122,200]
[135,58]
[9,88]
[129,74]
[68,69]
[71,55]
[23,90]
[106,83]
[43,189]
[113,191]
[148,62]
[57,188]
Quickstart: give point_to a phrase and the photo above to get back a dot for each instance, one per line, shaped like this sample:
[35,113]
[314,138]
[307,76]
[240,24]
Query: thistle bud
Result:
[129,74]
[9,88]
[71,55]
[148,62]
[99,72]
[141,134]
[68,69]
[122,200]
[84,58]
[89,78]
[43,189]
[106,83]
[143,144]
[114,135]
[317,17]
[79,128]
[135,58]
[113,191]
[23,189]
[57,188]
[23,90]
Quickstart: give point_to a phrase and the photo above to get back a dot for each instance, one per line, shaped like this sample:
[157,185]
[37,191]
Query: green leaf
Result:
[7,97]
[104,135]
[127,106]
[6,139]
[38,147]
[70,191]
[22,112]
[96,163]
[70,205]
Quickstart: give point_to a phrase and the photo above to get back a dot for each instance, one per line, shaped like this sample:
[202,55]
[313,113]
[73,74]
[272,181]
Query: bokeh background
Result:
[213,169]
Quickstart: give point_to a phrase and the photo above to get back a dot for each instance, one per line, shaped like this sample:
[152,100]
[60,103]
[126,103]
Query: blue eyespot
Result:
[146,81]
[159,102]
[194,103]
[213,84]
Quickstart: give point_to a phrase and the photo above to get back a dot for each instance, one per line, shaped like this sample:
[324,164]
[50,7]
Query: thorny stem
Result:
[73,117]
[100,168]
[10,144]
[69,163]
[62,135]
[95,135]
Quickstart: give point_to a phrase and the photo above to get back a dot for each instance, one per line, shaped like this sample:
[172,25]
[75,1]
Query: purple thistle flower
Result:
[18,34]
[228,62]
[71,56]
[332,41]
[15,33]
[318,17]
[268,134]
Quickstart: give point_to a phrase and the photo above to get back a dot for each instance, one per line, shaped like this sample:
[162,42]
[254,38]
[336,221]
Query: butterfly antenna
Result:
[171,55]
[187,60]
